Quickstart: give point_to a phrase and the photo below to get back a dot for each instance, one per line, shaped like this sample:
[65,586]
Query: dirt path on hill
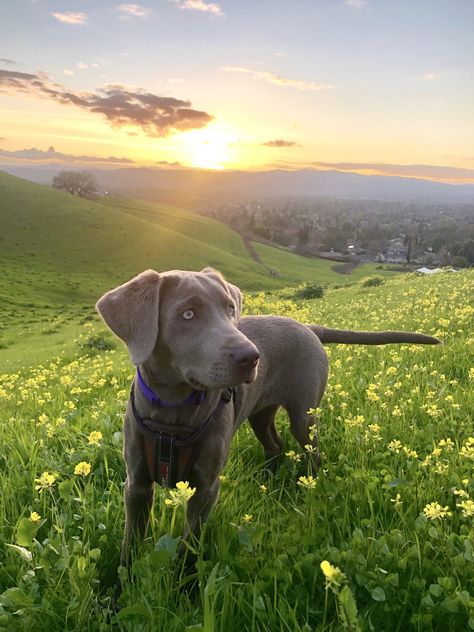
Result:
[255,256]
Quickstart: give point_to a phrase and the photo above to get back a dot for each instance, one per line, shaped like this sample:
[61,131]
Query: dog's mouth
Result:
[195,384]
[252,376]
[246,377]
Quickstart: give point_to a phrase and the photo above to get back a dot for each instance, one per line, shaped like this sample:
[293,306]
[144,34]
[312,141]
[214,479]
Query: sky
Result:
[368,86]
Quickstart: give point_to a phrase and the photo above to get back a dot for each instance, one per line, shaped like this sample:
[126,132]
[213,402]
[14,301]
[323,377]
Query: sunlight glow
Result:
[210,148]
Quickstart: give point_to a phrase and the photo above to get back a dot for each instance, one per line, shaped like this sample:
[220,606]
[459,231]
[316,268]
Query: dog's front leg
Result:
[138,503]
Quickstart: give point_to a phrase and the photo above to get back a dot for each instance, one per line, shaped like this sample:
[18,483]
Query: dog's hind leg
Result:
[304,428]
[138,503]
[263,425]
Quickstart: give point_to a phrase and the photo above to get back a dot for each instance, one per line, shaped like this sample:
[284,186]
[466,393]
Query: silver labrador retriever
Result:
[184,333]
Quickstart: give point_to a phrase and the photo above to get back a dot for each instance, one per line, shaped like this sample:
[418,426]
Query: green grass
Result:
[395,432]
[295,267]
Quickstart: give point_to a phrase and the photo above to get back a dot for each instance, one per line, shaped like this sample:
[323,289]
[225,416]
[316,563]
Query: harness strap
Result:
[169,455]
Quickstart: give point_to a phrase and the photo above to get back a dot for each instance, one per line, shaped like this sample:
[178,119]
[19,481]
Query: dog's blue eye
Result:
[232,310]
[188,314]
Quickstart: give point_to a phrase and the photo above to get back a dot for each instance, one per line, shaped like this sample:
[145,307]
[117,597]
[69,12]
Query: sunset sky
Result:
[372,86]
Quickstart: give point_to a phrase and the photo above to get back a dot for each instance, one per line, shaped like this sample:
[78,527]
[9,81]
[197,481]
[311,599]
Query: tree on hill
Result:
[81,183]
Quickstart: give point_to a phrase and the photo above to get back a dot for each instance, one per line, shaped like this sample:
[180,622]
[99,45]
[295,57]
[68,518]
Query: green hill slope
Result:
[62,247]
[65,247]
[59,253]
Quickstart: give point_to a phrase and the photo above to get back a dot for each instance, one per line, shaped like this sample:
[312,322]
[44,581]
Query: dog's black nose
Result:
[246,357]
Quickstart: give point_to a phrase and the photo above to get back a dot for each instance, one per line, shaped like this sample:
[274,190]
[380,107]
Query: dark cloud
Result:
[9,62]
[415,171]
[173,164]
[280,143]
[154,114]
[52,154]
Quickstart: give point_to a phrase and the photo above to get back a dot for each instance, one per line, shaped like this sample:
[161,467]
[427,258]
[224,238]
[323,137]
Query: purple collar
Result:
[195,398]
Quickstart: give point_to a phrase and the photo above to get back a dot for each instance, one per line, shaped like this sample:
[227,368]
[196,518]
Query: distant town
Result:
[357,231]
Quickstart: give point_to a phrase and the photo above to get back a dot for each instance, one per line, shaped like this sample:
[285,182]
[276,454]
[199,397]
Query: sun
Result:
[209,148]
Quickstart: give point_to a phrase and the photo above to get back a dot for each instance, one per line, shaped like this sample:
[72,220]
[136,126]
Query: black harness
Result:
[171,449]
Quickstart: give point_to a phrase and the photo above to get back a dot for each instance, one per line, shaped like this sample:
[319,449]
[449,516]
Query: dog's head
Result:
[185,320]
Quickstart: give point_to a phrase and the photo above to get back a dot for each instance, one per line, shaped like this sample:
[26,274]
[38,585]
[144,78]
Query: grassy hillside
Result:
[59,254]
[294,267]
[390,514]
[77,248]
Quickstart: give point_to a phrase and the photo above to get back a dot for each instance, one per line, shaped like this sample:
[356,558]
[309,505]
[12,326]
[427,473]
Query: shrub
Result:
[94,342]
[309,290]
[372,281]
[460,262]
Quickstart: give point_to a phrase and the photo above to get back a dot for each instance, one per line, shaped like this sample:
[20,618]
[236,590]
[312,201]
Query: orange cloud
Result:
[278,80]
[279,142]
[199,5]
[133,10]
[70,17]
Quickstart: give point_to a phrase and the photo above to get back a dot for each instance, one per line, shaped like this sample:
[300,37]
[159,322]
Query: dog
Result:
[202,370]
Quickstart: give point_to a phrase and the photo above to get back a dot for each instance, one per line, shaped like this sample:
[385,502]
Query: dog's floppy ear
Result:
[232,289]
[131,312]
[237,296]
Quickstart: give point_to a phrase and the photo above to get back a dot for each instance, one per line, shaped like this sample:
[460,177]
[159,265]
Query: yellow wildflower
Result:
[397,501]
[291,454]
[35,517]
[447,444]
[354,421]
[409,452]
[180,495]
[462,493]
[82,469]
[372,396]
[95,437]
[468,449]
[45,481]
[247,518]
[307,481]
[313,430]
[467,507]
[434,511]
[333,574]
[395,446]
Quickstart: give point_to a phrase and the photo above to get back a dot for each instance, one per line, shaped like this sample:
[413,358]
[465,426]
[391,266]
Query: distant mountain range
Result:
[203,184]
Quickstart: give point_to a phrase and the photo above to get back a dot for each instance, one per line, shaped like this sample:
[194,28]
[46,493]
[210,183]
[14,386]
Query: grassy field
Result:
[302,268]
[59,254]
[382,539]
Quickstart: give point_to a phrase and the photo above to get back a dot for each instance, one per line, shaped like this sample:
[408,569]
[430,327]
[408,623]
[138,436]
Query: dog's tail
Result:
[345,336]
